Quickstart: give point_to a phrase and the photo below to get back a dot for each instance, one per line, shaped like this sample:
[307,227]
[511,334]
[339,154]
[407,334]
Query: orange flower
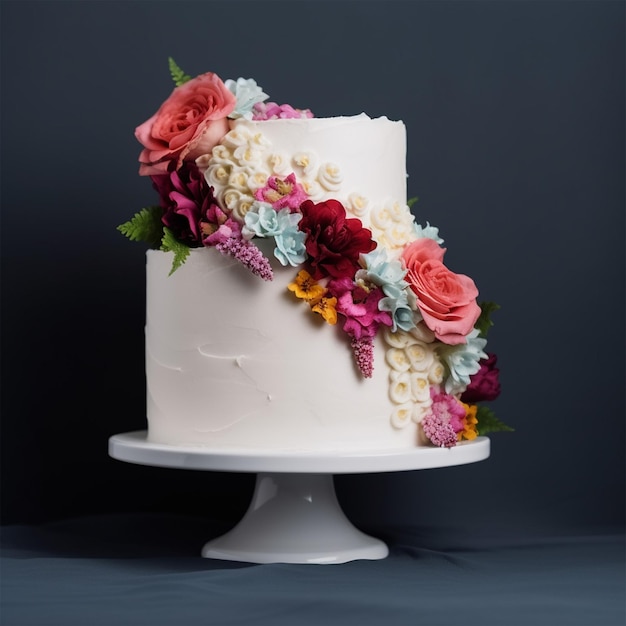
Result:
[469,428]
[326,308]
[306,288]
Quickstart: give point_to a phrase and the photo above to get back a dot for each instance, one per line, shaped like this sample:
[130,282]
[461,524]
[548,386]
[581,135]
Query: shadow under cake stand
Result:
[294,515]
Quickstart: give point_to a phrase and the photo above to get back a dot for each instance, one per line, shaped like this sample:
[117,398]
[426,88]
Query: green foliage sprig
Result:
[178,76]
[484,323]
[489,423]
[169,243]
[145,226]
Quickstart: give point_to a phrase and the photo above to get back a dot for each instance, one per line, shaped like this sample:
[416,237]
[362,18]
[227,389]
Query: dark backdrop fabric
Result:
[515,122]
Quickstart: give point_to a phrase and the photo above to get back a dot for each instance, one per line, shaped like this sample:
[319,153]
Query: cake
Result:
[293,301]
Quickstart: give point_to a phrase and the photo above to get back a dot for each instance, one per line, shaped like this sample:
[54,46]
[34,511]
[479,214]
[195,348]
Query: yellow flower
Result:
[326,308]
[306,288]
[469,429]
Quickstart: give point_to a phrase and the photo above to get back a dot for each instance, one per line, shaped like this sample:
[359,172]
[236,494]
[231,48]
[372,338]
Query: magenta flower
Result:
[274,111]
[485,384]
[359,307]
[185,198]
[282,193]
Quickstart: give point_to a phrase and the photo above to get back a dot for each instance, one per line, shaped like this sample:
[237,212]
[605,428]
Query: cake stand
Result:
[294,515]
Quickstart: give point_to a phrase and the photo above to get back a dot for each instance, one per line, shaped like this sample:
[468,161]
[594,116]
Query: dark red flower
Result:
[485,384]
[185,197]
[334,241]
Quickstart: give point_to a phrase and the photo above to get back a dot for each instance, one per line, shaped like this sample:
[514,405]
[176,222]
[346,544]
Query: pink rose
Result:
[447,301]
[188,124]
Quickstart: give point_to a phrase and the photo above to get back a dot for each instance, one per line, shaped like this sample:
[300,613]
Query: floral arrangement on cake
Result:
[372,285]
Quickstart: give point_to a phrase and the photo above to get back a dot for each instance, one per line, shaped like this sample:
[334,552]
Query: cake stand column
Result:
[294,518]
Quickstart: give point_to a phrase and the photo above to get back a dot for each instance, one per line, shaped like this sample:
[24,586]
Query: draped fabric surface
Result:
[127,570]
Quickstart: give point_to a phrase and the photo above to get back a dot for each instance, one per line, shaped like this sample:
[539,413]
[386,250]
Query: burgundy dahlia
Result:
[485,384]
[185,198]
[334,241]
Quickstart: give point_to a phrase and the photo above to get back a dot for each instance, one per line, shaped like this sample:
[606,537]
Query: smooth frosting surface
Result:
[235,362]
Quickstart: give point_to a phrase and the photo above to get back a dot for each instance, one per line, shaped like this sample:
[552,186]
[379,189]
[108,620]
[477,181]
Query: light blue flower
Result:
[462,361]
[430,232]
[389,276]
[290,248]
[262,220]
[402,315]
[248,93]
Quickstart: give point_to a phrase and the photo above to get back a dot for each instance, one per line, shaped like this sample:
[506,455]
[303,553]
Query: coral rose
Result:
[447,301]
[334,241]
[188,124]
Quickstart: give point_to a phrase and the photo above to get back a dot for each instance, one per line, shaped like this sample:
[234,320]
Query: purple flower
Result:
[363,351]
[185,199]
[485,384]
[224,233]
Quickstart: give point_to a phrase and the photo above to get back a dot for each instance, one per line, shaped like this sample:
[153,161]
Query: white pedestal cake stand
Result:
[294,515]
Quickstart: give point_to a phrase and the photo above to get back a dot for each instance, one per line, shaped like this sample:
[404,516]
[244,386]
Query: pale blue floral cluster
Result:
[248,93]
[389,276]
[431,232]
[462,361]
[262,220]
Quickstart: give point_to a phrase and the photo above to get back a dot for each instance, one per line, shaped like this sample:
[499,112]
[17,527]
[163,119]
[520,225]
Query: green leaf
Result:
[489,423]
[145,226]
[171,244]
[484,323]
[178,76]
[411,201]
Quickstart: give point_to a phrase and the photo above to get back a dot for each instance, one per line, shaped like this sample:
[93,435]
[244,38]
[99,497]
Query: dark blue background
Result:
[515,121]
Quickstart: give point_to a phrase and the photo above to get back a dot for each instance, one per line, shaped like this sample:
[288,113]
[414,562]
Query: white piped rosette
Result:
[392,225]
[414,366]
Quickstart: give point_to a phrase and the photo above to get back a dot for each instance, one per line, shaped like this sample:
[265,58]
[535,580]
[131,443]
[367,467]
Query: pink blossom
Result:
[282,193]
[439,431]
[448,408]
[217,227]
[363,351]
[273,111]
[359,307]
[223,232]
[445,419]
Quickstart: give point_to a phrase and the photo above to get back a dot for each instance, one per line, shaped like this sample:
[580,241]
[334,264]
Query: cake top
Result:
[233,169]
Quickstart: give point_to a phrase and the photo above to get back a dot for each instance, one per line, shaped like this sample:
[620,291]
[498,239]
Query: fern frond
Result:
[170,244]
[484,323]
[178,76]
[144,226]
[489,423]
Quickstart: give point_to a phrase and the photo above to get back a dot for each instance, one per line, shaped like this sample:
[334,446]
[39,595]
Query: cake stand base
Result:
[294,515]
[295,518]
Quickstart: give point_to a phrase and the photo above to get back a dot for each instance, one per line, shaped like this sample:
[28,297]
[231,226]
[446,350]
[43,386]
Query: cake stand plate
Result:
[294,515]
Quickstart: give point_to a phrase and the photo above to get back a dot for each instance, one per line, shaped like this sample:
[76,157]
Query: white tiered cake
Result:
[293,304]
